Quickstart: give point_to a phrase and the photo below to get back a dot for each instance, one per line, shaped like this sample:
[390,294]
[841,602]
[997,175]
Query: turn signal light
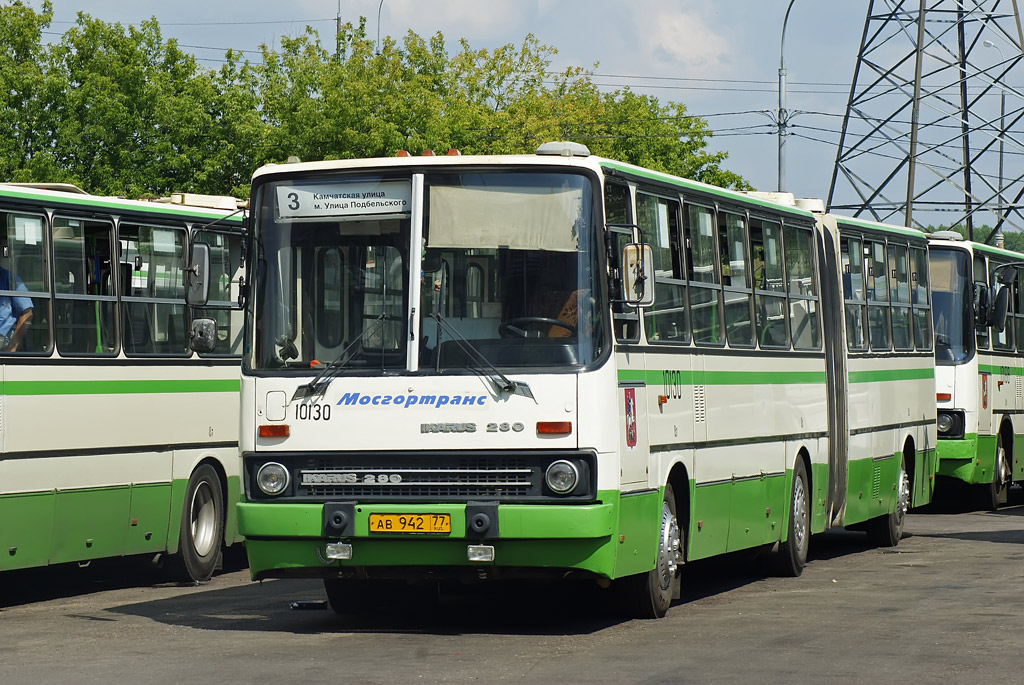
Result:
[943,396]
[277,430]
[554,427]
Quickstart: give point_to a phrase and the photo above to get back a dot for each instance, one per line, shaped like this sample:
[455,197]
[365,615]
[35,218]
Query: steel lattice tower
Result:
[934,128]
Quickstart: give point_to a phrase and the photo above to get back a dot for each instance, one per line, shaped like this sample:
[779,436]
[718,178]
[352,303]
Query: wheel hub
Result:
[669,547]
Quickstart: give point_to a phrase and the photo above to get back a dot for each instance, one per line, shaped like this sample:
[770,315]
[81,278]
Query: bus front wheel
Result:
[202,524]
[649,595]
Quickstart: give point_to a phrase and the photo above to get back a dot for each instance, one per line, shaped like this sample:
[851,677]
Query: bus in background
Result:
[979,323]
[562,366]
[117,438]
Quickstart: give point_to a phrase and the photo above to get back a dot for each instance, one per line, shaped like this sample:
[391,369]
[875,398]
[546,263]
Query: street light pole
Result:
[378,25]
[782,116]
[1002,137]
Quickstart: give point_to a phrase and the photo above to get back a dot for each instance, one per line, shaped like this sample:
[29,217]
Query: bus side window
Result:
[980,278]
[921,302]
[769,285]
[899,295]
[151,272]
[25,283]
[803,288]
[737,292]
[1001,340]
[878,295]
[658,218]
[702,269]
[625,320]
[853,294]
[1018,298]
[84,315]
[226,273]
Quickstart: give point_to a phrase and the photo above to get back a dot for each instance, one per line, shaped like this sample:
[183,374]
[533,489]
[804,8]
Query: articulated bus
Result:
[116,438]
[979,376]
[562,366]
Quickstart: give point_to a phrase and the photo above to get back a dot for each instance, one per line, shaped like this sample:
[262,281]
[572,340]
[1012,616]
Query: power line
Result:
[228,23]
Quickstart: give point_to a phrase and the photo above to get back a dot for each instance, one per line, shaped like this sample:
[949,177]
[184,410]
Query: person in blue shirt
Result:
[15,312]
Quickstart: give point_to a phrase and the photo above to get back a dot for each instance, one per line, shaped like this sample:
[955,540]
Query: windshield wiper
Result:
[500,380]
[318,386]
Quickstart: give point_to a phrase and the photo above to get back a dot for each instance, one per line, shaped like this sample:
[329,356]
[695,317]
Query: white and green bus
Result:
[116,438]
[562,366]
[979,375]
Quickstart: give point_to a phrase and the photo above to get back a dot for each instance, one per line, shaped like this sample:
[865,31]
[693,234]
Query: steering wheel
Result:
[515,327]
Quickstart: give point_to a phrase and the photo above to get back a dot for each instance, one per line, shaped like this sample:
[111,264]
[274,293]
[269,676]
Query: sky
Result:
[720,58]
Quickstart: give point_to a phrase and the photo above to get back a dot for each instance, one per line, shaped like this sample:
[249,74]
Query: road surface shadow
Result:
[498,608]
[60,581]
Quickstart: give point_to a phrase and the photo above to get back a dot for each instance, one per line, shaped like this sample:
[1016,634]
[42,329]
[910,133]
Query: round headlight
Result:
[272,478]
[562,476]
[945,423]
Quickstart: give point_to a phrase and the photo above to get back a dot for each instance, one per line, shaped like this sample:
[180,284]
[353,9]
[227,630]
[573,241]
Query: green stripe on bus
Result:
[723,377]
[121,387]
[1000,370]
[891,375]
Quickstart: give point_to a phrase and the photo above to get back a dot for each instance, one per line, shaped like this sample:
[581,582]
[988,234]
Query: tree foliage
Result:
[121,110]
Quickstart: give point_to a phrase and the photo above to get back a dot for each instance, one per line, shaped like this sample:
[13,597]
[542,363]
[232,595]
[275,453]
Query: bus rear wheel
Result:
[649,595]
[887,531]
[793,551]
[202,524]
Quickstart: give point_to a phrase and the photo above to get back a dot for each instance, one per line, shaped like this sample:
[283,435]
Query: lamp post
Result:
[782,116]
[381,4]
[1002,136]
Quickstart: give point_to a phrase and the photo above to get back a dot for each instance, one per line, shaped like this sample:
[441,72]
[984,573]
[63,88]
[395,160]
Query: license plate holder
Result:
[412,523]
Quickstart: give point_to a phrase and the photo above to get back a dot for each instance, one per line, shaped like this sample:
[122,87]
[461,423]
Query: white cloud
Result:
[681,38]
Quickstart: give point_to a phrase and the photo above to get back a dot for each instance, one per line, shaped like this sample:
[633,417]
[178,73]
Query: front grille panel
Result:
[424,476]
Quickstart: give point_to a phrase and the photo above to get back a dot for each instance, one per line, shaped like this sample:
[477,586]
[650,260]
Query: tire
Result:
[792,556]
[649,595]
[887,531]
[202,524]
[994,494]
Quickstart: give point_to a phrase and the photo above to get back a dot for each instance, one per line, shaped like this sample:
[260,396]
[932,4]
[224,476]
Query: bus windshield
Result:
[505,270]
[952,305]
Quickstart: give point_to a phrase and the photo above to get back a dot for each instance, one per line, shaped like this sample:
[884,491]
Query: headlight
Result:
[945,423]
[562,476]
[272,478]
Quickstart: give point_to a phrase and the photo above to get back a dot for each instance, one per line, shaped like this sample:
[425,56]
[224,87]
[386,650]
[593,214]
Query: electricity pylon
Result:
[934,127]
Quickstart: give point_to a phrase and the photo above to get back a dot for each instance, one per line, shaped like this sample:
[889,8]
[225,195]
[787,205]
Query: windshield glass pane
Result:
[951,305]
[332,273]
[506,270]
[509,269]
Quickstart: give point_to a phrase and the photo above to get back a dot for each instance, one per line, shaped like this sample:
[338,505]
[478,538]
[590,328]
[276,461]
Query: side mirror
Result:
[203,337]
[638,274]
[997,315]
[197,281]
